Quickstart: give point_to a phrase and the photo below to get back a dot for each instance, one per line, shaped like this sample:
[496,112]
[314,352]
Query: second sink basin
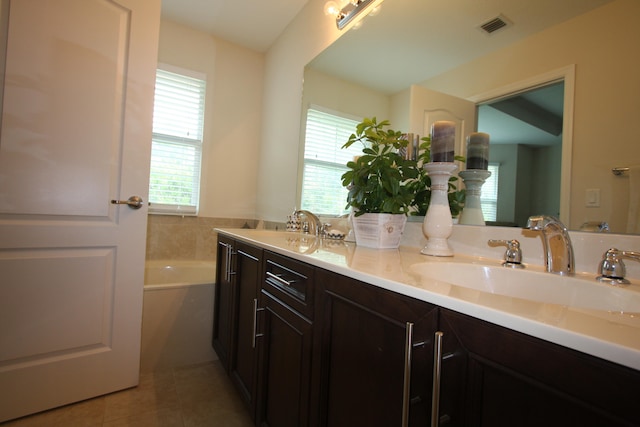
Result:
[532,285]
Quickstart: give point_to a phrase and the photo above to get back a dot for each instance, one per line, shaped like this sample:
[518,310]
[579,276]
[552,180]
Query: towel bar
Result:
[619,171]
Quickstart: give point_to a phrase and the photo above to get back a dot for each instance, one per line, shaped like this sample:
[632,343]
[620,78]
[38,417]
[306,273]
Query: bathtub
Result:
[166,274]
[177,316]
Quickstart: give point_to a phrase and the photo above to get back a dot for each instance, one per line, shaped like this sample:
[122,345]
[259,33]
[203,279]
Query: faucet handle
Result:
[612,269]
[513,255]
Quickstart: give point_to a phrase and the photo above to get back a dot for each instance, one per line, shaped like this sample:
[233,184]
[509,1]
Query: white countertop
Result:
[614,336]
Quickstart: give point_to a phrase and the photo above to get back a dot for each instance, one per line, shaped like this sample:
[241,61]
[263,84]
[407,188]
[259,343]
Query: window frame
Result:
[338,166]
[487,202]
[165,141]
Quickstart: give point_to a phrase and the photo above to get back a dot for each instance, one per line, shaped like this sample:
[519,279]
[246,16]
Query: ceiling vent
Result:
[495,24]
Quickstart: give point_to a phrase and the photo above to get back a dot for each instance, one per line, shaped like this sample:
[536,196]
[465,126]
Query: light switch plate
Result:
[592,198]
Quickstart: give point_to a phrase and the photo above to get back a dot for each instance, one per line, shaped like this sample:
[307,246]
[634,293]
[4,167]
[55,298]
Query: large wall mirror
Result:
[441,46]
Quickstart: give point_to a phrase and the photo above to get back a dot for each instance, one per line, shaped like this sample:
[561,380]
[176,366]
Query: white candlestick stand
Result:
[438,224]
[472,211]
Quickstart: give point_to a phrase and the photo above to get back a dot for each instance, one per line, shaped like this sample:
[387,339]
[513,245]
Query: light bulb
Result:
[331,8]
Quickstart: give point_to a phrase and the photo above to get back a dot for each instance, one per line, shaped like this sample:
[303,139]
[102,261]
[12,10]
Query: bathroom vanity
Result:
[322,333]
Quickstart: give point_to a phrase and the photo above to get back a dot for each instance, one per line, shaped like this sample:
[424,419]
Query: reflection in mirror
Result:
[525,153]
[370,72]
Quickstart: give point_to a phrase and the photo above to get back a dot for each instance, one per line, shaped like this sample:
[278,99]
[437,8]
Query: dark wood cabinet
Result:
[286,344]
[309,347]
[223,303]
[239,268]
[493,376]
[372,339]
[285,366]
[242,368]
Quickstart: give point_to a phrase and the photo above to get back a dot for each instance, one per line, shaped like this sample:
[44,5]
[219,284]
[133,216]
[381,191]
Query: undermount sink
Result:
[572,291]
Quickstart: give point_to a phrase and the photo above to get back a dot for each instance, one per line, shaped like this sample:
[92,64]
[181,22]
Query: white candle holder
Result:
[438,223]
[473,181]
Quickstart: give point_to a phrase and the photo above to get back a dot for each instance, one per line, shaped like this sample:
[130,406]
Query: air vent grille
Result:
[495,24]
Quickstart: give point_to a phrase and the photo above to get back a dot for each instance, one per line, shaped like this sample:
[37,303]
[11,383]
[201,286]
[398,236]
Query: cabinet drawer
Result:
[291,281]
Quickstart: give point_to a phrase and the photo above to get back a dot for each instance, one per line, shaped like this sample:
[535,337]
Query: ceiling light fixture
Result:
[347,13]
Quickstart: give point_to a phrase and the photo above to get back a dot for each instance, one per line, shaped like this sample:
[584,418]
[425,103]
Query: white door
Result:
[75,134]
[428,106]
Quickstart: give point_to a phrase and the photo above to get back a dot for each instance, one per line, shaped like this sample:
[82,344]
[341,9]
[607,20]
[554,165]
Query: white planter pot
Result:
[380,231]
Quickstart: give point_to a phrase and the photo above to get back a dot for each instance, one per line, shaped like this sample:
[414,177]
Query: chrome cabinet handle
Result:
[134,202]
[279,279]
[227,262]
[255,322]
[406,393]
[230,255]
[437,370]
[225,246]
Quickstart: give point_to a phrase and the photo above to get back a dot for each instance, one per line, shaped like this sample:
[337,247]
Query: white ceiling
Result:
[255,24]
[410,41]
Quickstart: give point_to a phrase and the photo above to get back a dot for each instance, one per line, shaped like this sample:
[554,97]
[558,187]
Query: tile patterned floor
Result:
[193,396]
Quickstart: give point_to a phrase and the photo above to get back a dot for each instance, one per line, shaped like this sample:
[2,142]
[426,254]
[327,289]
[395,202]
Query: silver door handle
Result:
[134,202]
[255,323]
[437,372]
[406,394]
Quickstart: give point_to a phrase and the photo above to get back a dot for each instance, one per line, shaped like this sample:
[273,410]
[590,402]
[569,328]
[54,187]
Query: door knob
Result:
[134,202]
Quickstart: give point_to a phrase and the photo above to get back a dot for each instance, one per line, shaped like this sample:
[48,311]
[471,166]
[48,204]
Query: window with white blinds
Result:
[489,194]
[176,150]
[325,161]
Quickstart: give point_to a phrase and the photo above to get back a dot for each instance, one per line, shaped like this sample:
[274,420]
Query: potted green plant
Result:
[378,184]
[385,186]
[421,186]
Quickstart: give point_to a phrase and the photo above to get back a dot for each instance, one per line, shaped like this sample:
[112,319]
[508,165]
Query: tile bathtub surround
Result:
[188,237]
[192,396]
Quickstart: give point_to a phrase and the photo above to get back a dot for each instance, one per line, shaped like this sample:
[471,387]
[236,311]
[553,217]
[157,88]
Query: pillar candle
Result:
[443,136]
[478,151]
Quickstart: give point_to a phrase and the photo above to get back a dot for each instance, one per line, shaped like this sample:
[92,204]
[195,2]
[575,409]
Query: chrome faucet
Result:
[314,224]
[513,255]
[612,270]
[556,243]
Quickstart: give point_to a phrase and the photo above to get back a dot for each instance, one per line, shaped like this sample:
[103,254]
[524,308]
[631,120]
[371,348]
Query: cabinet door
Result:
[223,303]
[285,372]
[243,356]
[364,342]
[493,376]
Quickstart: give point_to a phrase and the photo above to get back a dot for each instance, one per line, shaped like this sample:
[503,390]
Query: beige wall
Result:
[603,46]
[306,36]
[345,97]
[231,142]
[232,117]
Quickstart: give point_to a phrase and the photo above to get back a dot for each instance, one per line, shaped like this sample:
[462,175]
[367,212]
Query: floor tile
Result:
[159,418]
[200,395]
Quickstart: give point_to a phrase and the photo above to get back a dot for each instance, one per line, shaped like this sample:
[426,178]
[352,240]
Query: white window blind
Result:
[489,194]
[176,150]
[325,161]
